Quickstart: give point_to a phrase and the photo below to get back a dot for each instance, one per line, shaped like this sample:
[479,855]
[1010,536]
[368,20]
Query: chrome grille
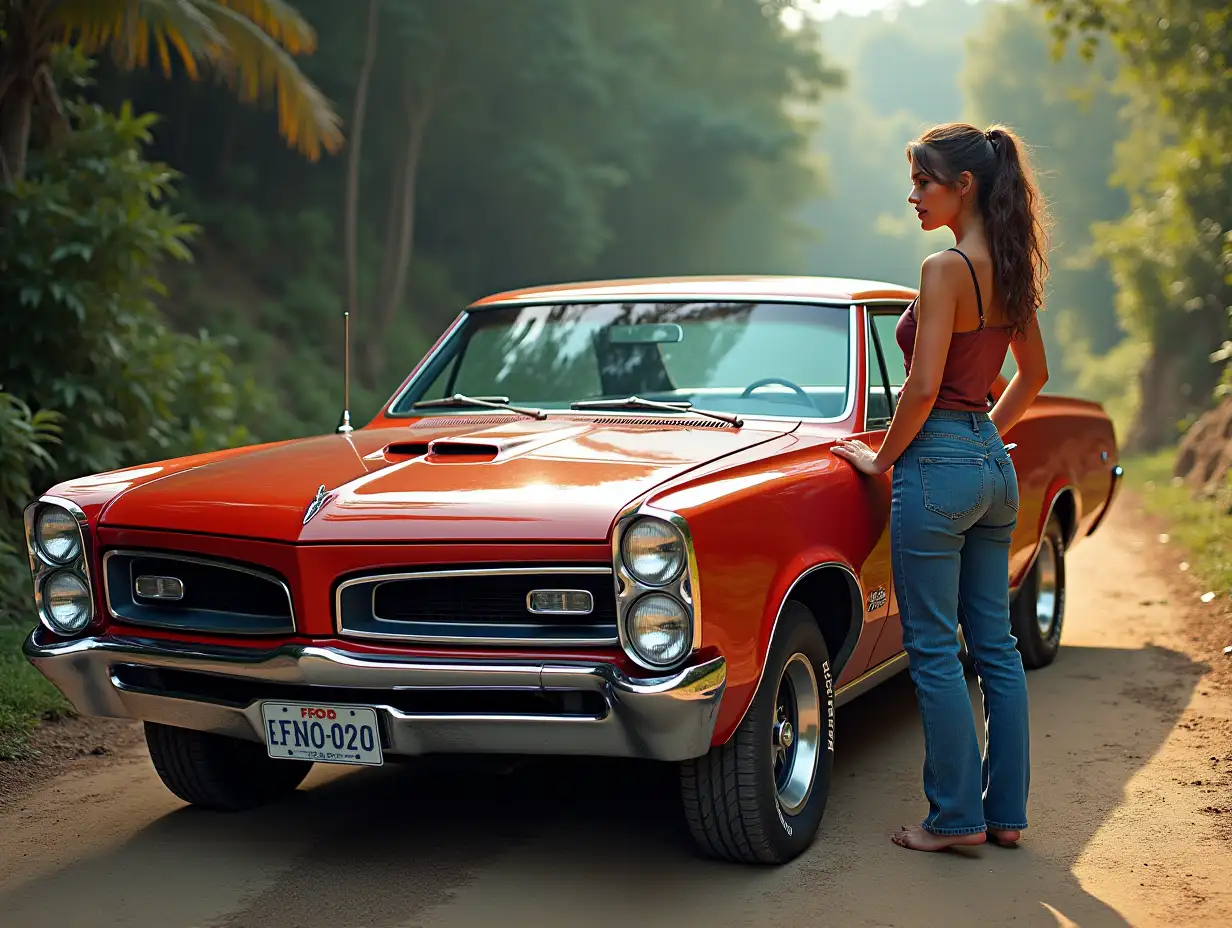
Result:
[477,606]
[214,596]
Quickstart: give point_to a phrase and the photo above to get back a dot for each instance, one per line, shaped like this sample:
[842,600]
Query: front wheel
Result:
[217,772]
[1038,612]
[760,797]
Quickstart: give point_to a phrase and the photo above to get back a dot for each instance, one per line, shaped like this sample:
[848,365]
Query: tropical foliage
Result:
[1172,253]
[88,359]
[1071,113]
[503,144]
[249,43]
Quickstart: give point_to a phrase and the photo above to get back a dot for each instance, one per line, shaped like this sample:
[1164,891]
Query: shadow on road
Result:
[435,844]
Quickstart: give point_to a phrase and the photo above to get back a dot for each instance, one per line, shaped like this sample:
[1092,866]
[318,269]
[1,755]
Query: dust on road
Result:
[1131,815]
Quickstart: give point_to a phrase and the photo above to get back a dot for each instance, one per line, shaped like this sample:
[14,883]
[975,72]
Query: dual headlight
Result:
[56,543]
[654,592]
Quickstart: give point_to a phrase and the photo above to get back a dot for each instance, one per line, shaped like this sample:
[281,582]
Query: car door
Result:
[886,376]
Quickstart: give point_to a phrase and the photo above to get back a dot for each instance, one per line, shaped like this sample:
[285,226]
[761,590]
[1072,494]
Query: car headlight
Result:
[66,602]
[659,629]
[57,543]
[653,551]
[57,534]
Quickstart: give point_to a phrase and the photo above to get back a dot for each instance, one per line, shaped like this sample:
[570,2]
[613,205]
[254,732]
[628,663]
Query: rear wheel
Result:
[217,772]
[1038,613]
[760,797]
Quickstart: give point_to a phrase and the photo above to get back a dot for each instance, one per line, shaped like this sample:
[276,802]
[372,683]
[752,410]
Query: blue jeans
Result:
[954,508]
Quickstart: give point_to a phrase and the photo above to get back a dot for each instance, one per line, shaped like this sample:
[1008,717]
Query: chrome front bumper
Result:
[666,718]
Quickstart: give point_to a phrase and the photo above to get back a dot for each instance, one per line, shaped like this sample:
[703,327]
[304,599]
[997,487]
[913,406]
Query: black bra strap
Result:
[979,302]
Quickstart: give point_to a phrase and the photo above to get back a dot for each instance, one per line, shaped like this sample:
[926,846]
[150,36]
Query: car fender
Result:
[796,571]
[1060,489]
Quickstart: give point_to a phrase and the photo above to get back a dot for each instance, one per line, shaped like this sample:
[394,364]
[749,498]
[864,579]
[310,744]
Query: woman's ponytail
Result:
[1014,223]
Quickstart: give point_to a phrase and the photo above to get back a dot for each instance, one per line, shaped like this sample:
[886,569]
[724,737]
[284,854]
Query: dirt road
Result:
[1131,819]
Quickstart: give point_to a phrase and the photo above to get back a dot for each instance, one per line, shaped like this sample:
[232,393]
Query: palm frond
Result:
[126,28]
[279,21]
[256,65]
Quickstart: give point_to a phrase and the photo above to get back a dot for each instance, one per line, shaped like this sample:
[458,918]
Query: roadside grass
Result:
[25,695]
[1203,528]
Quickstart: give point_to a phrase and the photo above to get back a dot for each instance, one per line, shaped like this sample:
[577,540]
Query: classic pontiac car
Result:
[597,519]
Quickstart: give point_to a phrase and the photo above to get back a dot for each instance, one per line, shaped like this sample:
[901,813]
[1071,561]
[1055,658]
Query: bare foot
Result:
[919,838]
[1004,838]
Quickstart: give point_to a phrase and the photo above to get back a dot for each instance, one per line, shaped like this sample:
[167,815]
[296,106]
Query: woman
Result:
[955,492]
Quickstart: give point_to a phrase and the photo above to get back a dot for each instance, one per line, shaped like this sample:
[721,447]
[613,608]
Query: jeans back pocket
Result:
[953,486]
[1010,477]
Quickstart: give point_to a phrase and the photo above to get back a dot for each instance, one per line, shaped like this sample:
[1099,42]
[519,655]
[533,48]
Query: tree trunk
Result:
[226,152]
[16,107]
[1178,380]
[1161,405]
[183,128]
[357,134]
[24,55]
[393,219]
[392,299]
[389,258]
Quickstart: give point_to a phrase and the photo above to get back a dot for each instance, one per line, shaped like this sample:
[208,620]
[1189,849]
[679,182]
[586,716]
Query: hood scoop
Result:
[399,451]
[484,444]
[462,448]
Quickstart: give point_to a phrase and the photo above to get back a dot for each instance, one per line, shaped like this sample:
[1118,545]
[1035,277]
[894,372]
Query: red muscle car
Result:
[597,518]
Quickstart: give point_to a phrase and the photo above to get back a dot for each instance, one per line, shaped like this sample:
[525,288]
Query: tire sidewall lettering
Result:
[782,818]
[829,691]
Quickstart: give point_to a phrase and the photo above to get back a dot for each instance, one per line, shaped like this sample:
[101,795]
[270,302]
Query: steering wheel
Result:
[782,381]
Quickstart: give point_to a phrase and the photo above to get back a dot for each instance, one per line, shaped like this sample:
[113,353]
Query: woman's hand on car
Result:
[861,456]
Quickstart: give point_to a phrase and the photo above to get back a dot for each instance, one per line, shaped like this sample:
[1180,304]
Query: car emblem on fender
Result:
[315,505]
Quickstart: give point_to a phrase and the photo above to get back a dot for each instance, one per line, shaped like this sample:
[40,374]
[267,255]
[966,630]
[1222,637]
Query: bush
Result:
[80,248]
[89,362]
[24,440]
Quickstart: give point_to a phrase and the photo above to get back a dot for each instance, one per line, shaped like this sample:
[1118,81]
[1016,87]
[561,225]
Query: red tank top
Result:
[974,359]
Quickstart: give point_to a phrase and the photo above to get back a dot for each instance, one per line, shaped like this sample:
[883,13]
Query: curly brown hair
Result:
[1014,212]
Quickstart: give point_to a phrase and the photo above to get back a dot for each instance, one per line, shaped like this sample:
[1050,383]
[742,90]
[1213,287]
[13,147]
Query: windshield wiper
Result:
[636,402]
[489,402]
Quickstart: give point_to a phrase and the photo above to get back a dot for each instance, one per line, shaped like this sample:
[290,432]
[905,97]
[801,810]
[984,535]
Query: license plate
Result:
[322,733]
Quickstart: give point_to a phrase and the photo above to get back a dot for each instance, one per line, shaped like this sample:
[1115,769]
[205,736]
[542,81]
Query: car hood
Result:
[564,479]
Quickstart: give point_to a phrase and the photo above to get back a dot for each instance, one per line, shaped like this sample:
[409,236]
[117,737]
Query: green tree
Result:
[25,439]
[902,75]
[707,125]
[80,334]
[568,138]
[1172,254]
[247,42]
[1070,114]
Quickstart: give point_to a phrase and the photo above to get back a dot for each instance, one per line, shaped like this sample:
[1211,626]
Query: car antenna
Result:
[345,426]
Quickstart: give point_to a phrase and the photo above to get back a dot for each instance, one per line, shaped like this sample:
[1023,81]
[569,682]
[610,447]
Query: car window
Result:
[790,359]
[881,332]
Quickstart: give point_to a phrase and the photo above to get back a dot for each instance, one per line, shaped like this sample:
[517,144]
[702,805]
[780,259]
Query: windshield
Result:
[777,359]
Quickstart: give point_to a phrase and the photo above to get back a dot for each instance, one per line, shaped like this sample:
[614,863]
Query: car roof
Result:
[745,287]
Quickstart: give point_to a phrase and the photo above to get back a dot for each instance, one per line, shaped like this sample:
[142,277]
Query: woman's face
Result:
[935,204]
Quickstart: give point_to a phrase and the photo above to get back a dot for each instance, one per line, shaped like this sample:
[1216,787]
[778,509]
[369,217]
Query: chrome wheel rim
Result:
[1046,587]
[795,733]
